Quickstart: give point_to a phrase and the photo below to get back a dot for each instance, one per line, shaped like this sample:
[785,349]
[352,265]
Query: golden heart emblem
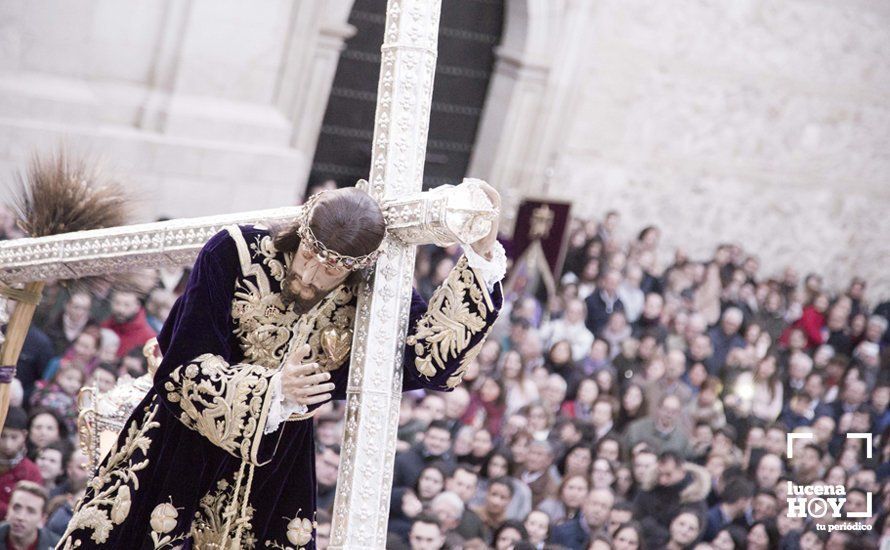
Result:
[336,342]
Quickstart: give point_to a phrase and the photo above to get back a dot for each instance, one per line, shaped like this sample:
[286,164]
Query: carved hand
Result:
[484,245]
[301,384]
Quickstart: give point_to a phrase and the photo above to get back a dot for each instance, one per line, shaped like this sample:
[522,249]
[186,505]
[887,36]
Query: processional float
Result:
[444,215]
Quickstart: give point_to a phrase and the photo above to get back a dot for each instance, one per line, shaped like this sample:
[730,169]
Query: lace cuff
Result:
[492,271]
[280,410]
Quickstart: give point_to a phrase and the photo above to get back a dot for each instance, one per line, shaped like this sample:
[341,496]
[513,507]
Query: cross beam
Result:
[444,215]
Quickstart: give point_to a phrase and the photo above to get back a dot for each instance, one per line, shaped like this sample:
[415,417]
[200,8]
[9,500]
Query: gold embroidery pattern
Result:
[112,497]
[224,403]
[333,316]
[299,533]
[263,324]
[265,247]
[448,325]
[208,528]
[163,521]
[457,376]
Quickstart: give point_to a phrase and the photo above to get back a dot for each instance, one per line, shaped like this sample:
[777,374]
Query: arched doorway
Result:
[468,32]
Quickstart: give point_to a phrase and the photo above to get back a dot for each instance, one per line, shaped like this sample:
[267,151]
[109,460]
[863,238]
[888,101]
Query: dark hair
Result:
[561,463]
[737,489]
[606,439]
[428,519]
[347,221]
[463,466]
[772,532]
[107,367]
[63,428]
[32,488]
[819,450]
[439,425]
[671,456]
[510,524]
[737,533]
[505,481]
[505,453]
[64,450]
[439,467]
[634,525]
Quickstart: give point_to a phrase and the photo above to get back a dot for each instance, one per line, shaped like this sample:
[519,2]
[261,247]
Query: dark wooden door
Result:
[468,32]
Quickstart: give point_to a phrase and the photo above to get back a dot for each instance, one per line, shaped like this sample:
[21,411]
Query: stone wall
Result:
[761,122]
[203,105]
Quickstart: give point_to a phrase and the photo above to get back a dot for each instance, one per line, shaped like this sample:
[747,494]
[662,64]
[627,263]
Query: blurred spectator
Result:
[537,525]
[679,485]
[537,473]
[706,362]
[570,328]
[327,461]
[661,432]
[435,447]
[592,521]
[25,519]
[128,321]
[44,427]
[725,336]
[509,534]
[426,534]
[51,462]
[157,307]
[66,327]
[603,301]
[14,462]
[82,355]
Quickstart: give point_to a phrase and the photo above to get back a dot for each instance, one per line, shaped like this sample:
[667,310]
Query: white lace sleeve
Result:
[280,409]
[492,270]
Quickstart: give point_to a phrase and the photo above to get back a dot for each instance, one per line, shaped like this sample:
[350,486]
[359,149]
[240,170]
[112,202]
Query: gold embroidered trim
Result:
[227,404]
[208,528]
[263,324]
[449,324]
[112,497]
[333,316]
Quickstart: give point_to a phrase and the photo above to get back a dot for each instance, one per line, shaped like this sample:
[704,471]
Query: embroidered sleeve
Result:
[225,402]
[448,333]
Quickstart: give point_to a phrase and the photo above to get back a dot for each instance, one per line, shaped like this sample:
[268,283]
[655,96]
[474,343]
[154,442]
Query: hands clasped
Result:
[301,383]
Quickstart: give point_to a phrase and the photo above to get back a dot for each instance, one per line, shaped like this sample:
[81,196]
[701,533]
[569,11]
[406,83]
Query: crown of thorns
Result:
[324,254]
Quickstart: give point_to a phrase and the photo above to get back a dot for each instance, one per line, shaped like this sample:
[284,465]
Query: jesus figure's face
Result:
[309,280]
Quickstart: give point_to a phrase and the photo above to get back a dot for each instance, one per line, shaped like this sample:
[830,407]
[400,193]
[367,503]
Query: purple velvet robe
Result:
[192,465]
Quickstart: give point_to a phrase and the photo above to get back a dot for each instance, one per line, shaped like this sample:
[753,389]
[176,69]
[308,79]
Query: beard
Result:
[121,319]
[295,301]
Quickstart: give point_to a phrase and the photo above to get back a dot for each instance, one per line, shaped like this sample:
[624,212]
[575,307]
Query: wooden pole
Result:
[16,332]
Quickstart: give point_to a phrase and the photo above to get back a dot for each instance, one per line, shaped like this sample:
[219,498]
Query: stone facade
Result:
[756,121]
[195,101]
[762,123]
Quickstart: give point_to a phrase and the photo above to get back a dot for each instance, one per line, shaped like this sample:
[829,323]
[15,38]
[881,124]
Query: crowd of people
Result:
[644,405]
